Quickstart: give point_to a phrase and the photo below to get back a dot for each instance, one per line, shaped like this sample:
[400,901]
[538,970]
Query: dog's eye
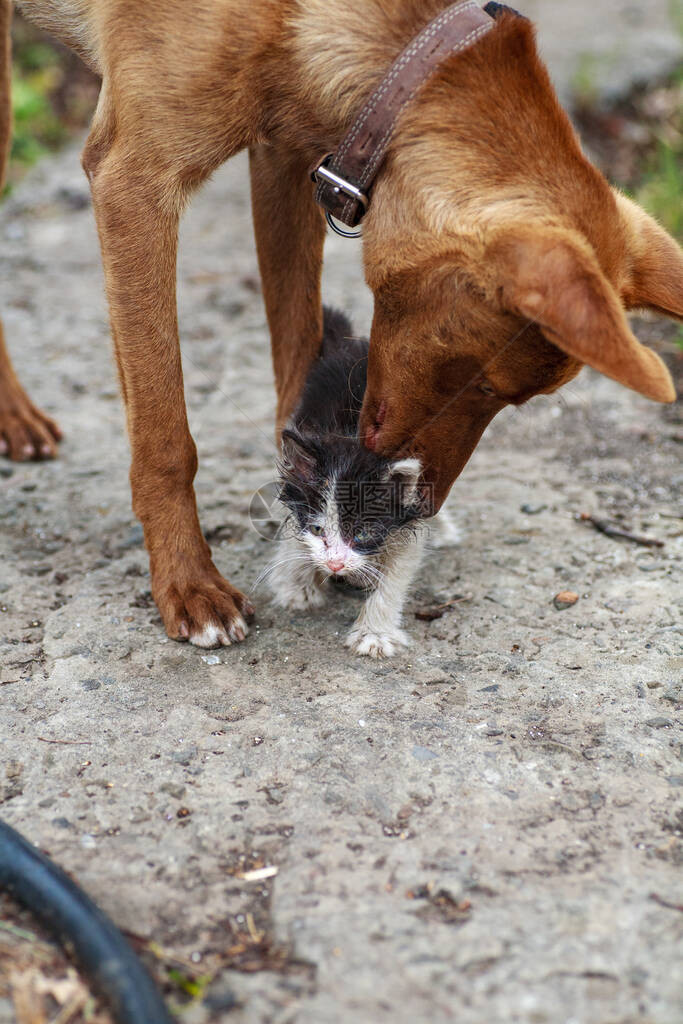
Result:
[487,389]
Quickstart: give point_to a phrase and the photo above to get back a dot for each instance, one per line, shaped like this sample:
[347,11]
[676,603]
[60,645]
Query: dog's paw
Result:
[25,432]
[377,645]
[208,612]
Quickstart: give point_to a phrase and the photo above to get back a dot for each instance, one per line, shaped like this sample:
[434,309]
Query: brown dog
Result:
[500,259]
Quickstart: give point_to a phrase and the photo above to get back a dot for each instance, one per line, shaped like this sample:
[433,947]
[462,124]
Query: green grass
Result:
[661,192]
[590,69]
[37,129]
[37,71]
[52,97]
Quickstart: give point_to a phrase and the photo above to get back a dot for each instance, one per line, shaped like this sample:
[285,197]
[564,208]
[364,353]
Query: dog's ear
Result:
[554,279]
[655,280]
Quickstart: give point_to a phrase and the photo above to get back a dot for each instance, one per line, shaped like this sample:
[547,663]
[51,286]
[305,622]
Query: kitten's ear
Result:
[297,456]
[406,472]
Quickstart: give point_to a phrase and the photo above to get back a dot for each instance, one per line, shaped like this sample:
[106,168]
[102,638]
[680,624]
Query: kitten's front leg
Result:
[444,531]
[377,630]
[294,580]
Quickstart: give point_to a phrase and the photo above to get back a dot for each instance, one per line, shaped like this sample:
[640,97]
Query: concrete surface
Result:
[487,829]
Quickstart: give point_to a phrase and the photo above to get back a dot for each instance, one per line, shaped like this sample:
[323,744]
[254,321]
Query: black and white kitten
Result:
[353,514]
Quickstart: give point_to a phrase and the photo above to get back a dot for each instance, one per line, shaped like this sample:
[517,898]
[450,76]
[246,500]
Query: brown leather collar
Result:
[344,178]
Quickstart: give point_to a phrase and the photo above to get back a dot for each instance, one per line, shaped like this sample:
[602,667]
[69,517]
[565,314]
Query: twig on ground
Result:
[66,743]
[665,903]
[612,530]
[18,933]
[439,610]
[70,1009]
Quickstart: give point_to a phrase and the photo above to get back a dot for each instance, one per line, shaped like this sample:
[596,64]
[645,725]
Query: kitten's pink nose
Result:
[335,564]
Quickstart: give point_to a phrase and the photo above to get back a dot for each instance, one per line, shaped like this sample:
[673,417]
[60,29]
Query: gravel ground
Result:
[485,829]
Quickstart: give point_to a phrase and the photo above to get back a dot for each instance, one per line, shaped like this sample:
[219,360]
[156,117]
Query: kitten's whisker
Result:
[292,559]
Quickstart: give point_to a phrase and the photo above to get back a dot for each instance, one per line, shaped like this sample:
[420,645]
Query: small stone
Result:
[423,754]
[432,677]
[138,815]
[648,562]
[183,812]
[653,684]
[211,659]
[532,510]
[220,999]
[91,684]
[565,599]
[659,722]
[173,789]
[184,756]
[638,976]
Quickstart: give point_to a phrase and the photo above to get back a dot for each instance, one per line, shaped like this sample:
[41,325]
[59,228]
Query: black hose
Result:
[82,929]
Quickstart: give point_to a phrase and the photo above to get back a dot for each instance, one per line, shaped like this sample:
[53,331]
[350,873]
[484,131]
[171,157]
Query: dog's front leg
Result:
[25,432]
[137,217]
[290,232]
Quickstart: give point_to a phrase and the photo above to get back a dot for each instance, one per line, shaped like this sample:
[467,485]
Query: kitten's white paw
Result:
[296,595]
[444,532]
[377,645]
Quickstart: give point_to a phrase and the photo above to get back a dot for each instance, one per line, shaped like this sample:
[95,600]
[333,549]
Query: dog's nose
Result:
[335,564]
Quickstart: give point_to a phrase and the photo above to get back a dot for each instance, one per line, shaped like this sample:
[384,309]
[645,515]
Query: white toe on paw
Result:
[377,645]
[238,629]
[211,636]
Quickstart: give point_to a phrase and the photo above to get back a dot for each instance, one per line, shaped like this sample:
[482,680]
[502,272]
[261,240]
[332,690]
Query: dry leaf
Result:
[28,1004]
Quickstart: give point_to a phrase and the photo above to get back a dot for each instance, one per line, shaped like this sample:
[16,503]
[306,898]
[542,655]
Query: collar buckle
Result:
[322,174]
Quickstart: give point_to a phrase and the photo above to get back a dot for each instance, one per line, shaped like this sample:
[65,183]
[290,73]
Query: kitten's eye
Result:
[487,389]
[362,537]
[317,531]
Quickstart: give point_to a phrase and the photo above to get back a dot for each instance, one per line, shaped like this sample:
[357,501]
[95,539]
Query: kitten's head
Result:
[348,503]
